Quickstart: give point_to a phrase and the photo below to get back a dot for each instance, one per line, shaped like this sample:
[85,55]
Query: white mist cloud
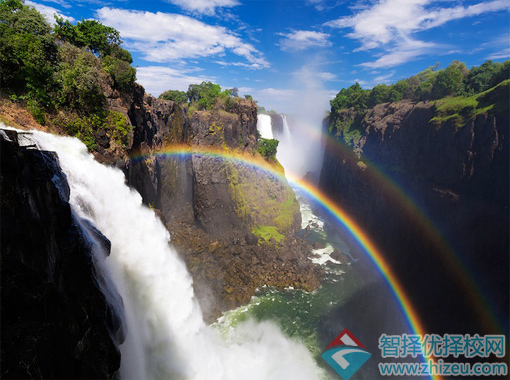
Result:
[206,7]
[392,25]
[320,5]
[505,53]
[166,37]
[303,39]
[49,12]
[307,102]
[157,79]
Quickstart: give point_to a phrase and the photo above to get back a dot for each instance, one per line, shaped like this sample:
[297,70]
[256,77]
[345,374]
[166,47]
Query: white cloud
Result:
[303,39]
[157,79]
[505,53]
[318,4]
[391,24]
[206,7]
[62,3]
[48,12]
[165,37]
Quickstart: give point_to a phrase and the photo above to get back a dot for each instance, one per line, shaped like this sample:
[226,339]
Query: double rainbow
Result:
[354,230]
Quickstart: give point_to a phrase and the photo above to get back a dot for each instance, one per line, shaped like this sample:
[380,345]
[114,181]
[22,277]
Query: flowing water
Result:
[264,126]
[278,335]
[166,336]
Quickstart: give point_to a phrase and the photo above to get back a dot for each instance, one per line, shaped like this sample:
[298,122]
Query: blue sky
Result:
[295,55]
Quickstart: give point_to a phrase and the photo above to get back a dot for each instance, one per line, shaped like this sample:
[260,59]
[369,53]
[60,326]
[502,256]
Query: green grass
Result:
[460,109]
[266,233]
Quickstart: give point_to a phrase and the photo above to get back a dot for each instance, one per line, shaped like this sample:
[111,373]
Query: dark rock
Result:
[56,322]
[459,175]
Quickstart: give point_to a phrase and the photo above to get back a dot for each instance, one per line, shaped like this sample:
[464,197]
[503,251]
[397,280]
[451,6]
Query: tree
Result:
[399,91]
[175,96]
[203,94]
[353,96]
[483,77]
[379,94]
[81,77]
[234,92]
[100,39]
[122,73]
[449,80]
[268,148]
[28,53]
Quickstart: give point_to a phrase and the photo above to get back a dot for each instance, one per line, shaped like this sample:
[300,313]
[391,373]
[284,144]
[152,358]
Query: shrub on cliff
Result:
[429,84]
[268,148]
[175,96]
[90,34]
[81,75]
[122,73]
[28,53]
[207,95]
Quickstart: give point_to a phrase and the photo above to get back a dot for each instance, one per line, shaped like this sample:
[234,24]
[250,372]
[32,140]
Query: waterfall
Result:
[264,126]
[166,336]
[286,132]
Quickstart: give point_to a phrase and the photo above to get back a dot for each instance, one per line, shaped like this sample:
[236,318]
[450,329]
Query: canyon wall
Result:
[408,166]
[56,322]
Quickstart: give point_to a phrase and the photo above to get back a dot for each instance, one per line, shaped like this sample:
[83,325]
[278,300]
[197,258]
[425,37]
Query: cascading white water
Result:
[264,126]
[286,131]
[166,335]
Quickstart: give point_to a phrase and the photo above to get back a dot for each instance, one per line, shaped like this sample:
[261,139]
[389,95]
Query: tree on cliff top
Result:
[429,84]
[207,94]
[91,34]
[28,53]
[175,96]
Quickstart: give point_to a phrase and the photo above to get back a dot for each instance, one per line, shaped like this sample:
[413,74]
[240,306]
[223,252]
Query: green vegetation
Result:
[204,96]
[458,95]
[175,96]
[461,108]
[263,111]
[207,96]
[28,53]
[261,199]
[268,148]
[266,233]
[90,34]
[430,84]
[85,127]
[60,73]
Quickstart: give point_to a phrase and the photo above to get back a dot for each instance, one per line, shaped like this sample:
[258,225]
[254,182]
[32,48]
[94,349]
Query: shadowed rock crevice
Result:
[56,322]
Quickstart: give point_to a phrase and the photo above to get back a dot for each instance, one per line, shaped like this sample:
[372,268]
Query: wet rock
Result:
[56,322]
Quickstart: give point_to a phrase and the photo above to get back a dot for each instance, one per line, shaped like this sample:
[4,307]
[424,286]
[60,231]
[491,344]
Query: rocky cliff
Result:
[56,322]
[454,167]
[233,223]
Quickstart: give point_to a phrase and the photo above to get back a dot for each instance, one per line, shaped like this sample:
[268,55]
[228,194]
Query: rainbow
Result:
[444,252]
[354,230]
[463,275]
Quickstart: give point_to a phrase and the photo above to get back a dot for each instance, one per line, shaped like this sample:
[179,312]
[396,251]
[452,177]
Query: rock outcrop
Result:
[232,217]
[56,322]
[459,173]
[233,222]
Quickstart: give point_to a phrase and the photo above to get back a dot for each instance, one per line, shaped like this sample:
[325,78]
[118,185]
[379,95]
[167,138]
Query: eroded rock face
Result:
[215,202]
[458,174]
[56,322]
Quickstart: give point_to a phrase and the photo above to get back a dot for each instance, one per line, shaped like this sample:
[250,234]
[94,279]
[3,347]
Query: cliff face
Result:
[233,224]
[457,172]
[56,322]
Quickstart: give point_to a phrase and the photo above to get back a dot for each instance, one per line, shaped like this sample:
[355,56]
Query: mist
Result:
[303,151]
